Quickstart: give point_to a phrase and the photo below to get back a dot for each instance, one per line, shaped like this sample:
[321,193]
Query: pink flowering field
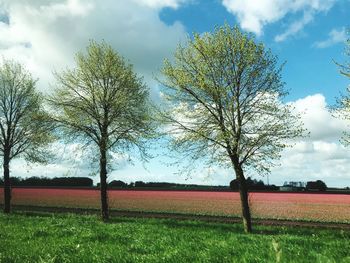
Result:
[295,206]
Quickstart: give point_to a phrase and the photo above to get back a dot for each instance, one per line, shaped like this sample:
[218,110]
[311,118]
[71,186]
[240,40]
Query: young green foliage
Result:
[225,92]
[342,109]
[24,126]
[345,69]
[104,103]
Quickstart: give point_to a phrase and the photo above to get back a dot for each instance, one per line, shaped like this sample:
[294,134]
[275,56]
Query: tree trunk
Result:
[103,184]
[7,183]
[243,192]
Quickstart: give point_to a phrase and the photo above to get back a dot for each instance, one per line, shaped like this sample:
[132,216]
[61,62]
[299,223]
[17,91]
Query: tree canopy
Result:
[342,108]
[24,127]
[102,102]
[225,94]
[345,68]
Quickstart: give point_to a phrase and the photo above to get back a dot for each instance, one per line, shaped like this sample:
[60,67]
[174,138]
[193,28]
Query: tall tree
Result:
[342,109]
[224,91]
[102,102]
[24,129]
[345,68]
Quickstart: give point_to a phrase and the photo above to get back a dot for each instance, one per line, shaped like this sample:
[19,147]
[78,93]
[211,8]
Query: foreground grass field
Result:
[72,238]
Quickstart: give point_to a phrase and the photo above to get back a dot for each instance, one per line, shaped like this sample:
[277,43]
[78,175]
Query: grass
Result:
[77,238]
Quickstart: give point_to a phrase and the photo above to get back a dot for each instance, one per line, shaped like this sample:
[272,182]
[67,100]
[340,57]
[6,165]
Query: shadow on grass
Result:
[234,228]
[49,214]
[34,214]
[198,225]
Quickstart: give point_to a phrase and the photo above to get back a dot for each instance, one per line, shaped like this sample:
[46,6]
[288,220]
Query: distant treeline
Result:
[253,184]
[163,185]
[87,182]
[318,185]
[57,181]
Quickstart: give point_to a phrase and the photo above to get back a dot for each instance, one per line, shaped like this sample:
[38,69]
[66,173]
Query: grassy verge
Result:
[78,238]
[180,215]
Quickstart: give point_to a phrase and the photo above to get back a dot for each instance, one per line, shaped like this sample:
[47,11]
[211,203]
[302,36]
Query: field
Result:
[294,206]
[72,238]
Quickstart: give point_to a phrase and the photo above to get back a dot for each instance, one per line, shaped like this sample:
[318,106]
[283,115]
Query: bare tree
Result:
[24,129]
[103,103]
[224,91]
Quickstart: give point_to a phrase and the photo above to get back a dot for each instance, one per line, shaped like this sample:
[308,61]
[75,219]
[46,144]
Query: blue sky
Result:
[309,69]
[307,34]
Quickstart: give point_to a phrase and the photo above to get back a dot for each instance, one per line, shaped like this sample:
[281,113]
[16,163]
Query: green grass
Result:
[73,238]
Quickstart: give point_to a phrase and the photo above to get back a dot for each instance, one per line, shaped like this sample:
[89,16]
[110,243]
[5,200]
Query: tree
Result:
[345,68]
[342,109]
[105,104]
[316,185]
[140,184]
[117,183]
[234,184]
[223,90]
[252,184]
[24,129]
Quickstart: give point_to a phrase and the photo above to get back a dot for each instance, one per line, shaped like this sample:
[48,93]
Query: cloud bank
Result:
[319,156]
[45,35]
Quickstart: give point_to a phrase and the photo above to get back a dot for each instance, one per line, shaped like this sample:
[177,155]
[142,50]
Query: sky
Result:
[309,35]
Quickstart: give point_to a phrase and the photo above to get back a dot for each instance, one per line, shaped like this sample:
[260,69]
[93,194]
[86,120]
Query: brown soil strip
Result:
[178,216]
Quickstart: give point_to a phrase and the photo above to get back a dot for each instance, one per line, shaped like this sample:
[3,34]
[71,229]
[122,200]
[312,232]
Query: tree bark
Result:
[243,192]
[103,184]
[7,183]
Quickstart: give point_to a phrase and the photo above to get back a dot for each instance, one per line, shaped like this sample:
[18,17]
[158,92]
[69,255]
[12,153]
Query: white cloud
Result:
[45,35]
[319,156]
[295,27]
[254,15]
[161,3]
[318,120]
[334,37]
[327,161]
[70,160]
